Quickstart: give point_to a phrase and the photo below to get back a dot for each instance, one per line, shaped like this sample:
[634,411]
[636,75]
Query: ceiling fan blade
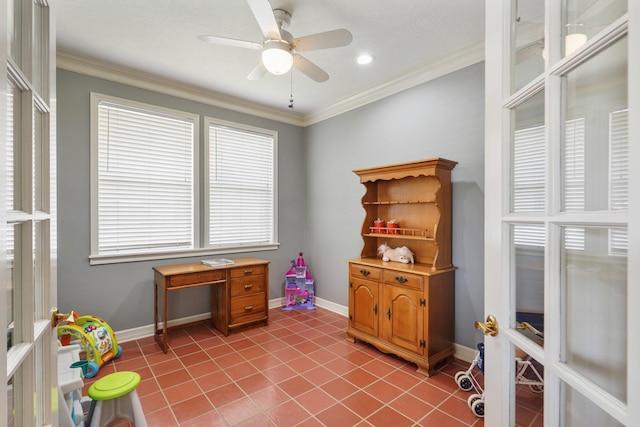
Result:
[309,68]
[258,72]
[335,38]
[224,41]
[266,20]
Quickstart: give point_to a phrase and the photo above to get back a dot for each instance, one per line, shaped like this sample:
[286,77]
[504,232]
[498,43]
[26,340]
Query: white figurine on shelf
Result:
[402,254]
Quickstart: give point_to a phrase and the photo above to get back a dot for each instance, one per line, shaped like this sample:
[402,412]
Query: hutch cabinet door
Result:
[403,318]
[363,306]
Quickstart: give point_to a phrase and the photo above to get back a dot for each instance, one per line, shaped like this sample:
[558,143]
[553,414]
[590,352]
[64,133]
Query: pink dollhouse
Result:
[299,286]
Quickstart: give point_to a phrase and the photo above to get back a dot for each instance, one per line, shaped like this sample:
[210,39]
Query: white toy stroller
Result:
[526,373]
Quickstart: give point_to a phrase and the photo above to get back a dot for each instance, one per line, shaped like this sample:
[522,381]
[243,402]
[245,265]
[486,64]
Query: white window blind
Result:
[529,176]
[145,179]
[241,195]
[574,179]
[528,183]
[618,176]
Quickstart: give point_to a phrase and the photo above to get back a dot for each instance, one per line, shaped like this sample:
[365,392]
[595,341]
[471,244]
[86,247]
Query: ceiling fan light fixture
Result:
[276,57]
[365,59]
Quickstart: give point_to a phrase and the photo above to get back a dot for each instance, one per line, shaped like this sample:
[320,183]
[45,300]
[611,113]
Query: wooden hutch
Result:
[406,309]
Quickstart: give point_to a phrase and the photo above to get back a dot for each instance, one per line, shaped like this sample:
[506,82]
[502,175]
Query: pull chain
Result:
[291,95]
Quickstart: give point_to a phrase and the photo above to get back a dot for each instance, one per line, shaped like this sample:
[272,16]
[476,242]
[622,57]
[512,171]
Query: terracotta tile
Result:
[390,417]
[242,344]
[458,409]
[383,391]
[378,368]
[166,366]
[132,364]
[440,419]
[259,420]
[288,414]
[225,394]
[194,358]
[173,378]
[191,408]
[319,375]
[265,361]
[189,348]
[153,402]
[338,415]
[239,410]
[279,373]
[148,386]
[362,403]
[214,380]
[339,388]
[203,368]
[402,380]
[315,401]
[411,407]
[181,392]
[295,386]
[253,352]
[241,370]
[429,393]
[253,383]
[209,419]
[359,377]
[340,366]
[269,397]
[219,350]
[161,418]
[228,360]
[159,357]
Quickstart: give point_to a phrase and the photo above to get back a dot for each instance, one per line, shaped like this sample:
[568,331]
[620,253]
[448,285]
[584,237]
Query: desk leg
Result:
[165,331]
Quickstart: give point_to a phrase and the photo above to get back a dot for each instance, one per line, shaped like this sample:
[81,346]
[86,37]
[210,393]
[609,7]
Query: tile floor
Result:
[300,370]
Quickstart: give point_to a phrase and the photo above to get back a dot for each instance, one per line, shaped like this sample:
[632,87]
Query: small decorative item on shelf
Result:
[299,286]
[379,226]
[402,254]
[392,226]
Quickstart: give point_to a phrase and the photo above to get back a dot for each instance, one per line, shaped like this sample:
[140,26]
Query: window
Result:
[241,190]
[618,176]
[144,194]
[147,191]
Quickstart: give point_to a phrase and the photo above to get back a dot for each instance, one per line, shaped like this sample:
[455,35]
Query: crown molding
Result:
[445,65]
[92,67]
[95,68]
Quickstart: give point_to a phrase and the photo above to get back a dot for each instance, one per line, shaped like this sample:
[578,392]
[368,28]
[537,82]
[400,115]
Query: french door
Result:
[562,212]
[27,214]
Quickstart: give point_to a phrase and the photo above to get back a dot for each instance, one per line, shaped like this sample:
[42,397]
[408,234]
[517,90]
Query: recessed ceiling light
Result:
[365,59]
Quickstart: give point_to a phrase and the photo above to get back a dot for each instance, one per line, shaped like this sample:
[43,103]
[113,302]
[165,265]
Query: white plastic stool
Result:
[115,396]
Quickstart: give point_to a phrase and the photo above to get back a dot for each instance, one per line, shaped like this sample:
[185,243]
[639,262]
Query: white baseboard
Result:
[461,352]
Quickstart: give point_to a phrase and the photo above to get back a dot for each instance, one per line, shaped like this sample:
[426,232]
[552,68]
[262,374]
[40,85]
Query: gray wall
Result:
[122,294]
[440,118]
[319,195]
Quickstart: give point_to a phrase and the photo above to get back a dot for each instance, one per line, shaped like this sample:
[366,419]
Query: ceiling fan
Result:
[279,48]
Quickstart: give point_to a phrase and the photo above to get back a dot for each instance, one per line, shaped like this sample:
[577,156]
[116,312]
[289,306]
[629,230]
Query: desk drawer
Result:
[403,279]
[195,278]
[247,308]
[249,270]
[247,285]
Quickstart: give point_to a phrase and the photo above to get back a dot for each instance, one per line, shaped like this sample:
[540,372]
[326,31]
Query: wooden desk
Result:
[239,293]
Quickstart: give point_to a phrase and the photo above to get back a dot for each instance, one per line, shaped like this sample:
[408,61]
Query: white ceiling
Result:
[408,38]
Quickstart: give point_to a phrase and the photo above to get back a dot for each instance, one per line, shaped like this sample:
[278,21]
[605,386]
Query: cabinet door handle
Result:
[248,271]
[365,273]
[389,313]
[375,309]
[247,287]
[401,279]
[248,308]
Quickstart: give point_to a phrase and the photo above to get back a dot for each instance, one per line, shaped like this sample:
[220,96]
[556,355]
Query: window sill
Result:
[152,256]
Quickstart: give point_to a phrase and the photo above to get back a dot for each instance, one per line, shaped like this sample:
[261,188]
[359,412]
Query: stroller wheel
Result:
[464,382]
[458,375]
[472,399]
[478,408]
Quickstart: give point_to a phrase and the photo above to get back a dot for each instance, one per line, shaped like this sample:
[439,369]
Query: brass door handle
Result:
[56,317]
[490,327]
